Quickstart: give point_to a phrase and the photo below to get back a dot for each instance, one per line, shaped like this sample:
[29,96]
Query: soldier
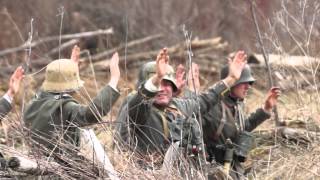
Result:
[123,124]
[6,101]
[226,129]
[53,116]
[14,85]
[158,120]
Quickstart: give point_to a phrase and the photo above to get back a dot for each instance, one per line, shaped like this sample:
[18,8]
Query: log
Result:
[41,62]
[62,47]
[130,44]
[176,52]
[32,167]
[54,38]
[284,60]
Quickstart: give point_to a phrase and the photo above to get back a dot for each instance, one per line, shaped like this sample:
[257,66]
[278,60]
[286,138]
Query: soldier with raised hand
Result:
[54,116]
[226,128]
[157,118]
[14,86]
[123,122]
[7,100]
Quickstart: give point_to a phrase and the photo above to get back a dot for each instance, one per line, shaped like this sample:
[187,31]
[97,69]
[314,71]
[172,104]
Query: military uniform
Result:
[147,119]
[124,126]
[225,119]
[53,116]
[155,128]
[50,116]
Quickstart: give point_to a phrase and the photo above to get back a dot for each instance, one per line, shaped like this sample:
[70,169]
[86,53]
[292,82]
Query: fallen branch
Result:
[62,47]
[54,38]
[32,167]
[100,56]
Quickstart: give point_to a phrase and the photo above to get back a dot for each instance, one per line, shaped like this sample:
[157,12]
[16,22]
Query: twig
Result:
[277,122]
[61,13]
[25,84]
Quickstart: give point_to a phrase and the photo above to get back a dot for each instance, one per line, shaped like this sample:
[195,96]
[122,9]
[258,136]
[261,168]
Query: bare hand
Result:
[180,80]
[114,70]
[14,83]
[75,54]
[235,67]
[272,98]
[162,66]
[237,64]
[193,78]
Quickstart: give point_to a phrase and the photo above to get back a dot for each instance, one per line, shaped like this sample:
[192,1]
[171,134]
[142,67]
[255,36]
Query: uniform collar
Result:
[45,94]
[231,101]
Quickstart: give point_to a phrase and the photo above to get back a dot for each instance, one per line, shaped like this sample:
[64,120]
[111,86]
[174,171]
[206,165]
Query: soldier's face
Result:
[164,96]
[241,90]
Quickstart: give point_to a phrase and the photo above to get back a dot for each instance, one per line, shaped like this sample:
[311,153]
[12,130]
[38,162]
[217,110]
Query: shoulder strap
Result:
[222,122]
[164,122]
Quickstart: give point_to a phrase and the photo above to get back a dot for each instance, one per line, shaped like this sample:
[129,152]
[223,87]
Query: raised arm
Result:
[264,113]
[102,103]
[14,86]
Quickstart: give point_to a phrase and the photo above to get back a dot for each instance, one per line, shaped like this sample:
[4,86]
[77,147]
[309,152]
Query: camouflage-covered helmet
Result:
[149,69]
[246,75]
[62,76]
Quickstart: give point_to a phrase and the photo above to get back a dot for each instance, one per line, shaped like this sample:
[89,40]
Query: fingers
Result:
[180,72]
[240,56]
[114,70]
[75,54]
[18,73]
[195,69]
[115,58]
[163,56]
[275,91]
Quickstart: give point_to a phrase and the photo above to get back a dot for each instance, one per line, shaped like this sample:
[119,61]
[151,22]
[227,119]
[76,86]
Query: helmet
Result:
[149,69]
[246,75]
[62,76]
[146,71]
[171,78]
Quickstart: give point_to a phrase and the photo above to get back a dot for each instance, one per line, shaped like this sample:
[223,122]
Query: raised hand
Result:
[15,80]
[162,66]
[272,98]
[235,67]
[180,80]
[114,70]
[237,64]
[193,78]
[75,54]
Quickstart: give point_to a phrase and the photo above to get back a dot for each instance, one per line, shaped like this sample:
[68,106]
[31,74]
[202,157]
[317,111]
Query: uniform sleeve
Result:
[122,124]
[5,108]
[84,115]
[208,99]
[256,118]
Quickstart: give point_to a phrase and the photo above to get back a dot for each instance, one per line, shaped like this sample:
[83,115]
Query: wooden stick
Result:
[266,60]
[109,52]
[62,47]
[54,38]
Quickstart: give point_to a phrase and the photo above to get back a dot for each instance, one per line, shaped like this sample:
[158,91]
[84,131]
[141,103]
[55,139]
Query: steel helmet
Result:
[62,75]
[149,69]
[246,75]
